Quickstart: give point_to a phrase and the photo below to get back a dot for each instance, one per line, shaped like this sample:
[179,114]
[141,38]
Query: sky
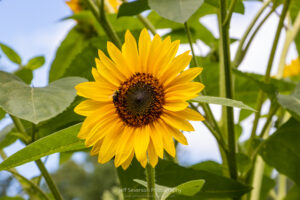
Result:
[35,27]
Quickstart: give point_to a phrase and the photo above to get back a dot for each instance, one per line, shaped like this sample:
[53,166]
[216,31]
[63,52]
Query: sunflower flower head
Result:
[137,104]
[110,6]
[75,5]
[292,69]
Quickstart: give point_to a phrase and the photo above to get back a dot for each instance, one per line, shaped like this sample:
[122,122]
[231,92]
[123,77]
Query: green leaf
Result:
[61,141]
[25,74]
[170,175]
[72,45]
[189,188]
[7,137]
[175,10]
[282,150]
[133,8]
[291,102]
[209,166]
[222,101]
[239,6]
[2,113]
[11,54]
[37,104]
[35,63]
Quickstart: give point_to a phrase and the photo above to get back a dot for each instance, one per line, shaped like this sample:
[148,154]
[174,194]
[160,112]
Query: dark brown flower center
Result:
[139,100]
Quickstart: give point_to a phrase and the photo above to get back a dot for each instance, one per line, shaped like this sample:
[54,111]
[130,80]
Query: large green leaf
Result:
[61,141]
[170,175]
[293,193]
[222,101]
[239,6]
[35,63]
[175,10]
[291,102]
[37,104]
[11,54]
[133,8]
[282,150]
[72,45]
[189,188]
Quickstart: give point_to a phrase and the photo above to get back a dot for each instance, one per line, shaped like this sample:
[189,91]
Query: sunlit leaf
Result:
[133,8]
[35,63]
[11,54]
[175,10]
[37,104]
[222,101]
[291,102]
[189,188]
[61,141]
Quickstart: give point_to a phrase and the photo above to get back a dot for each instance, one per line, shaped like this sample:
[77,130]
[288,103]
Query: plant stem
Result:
[147,23]
[281,187]
[228,16]
[257,179]
[39,163]
[260,98]
[150,175]
[244,51]
[205,106]
[238,58]
[228,91]
[101,17]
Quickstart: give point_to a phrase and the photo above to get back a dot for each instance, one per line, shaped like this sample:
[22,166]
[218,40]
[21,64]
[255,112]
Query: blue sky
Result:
[34,27]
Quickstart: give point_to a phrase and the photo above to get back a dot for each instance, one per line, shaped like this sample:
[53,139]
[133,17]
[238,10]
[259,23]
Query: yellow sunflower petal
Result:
[167,140]
[144,47]
[108,147]
[141,141]
[190,114]
[125,146]
[126,164]
[154,52]
[102,129]
[156,138]
[176,121]
[88,107]
[177,135]
[153,158]
[130,51]
[117,57]
[96,148]
[186,76]
[93,90]
[175,105]
[120,73]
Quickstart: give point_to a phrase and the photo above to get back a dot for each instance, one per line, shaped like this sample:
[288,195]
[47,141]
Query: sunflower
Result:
[137,103]
[292,69]
[110,6]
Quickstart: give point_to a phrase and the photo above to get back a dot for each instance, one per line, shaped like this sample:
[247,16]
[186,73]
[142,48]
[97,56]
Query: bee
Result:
[116,96]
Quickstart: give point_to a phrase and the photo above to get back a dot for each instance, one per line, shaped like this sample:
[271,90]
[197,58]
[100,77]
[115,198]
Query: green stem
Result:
[53,188]
[150,175]
[228,91]
[281,187]
[260,98]
[228,17]
[244,51]
[33,185]
[238,57]
[147,23]
[205,106]
[101,17]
